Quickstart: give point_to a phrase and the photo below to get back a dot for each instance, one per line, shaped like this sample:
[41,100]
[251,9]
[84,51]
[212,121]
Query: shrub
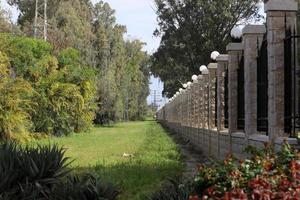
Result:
[26,170]
[86,187]
[23,51]
[172,191]
[4,65]
[267,175]
[56,98]
[43,173]
[15,103]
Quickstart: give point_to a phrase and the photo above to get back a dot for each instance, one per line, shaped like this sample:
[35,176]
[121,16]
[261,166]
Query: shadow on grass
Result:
[106,126]
[134,178]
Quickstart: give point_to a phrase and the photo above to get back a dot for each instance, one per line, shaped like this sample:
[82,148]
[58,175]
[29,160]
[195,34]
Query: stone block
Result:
[254,29]
[234,47]
[281,5]
[222,58]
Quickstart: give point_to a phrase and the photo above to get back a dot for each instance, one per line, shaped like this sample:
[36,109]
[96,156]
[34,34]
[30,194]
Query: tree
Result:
[88,49]
[190,31]
[5,24]
[14,102]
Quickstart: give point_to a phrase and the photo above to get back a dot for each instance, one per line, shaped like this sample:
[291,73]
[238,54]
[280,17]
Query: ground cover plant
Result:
[267,175]
[154,159]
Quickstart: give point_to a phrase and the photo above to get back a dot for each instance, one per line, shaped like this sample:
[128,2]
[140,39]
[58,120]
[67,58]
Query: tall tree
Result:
[122,70]
[5,24]
[190,30]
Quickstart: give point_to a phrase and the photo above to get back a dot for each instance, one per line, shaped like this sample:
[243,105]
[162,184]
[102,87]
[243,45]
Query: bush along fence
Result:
[248,96]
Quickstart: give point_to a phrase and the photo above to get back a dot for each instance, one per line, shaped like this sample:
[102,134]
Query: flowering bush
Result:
[266,176]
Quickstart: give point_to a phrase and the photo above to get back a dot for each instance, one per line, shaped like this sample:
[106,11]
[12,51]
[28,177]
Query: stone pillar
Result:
[280,14]
[193,91]
[212,68]
[190,109]
[196,104]
[252,39]
[205,99]
[200,101]
[221,73]
[235,51]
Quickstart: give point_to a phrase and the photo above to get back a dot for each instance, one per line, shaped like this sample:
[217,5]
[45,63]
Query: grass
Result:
[100,151]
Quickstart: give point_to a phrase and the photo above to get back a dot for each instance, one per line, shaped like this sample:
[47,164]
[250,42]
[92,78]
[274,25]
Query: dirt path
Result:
[191,157]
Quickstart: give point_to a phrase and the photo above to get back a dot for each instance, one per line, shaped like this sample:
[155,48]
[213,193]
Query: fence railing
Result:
[262,85]
[291,77]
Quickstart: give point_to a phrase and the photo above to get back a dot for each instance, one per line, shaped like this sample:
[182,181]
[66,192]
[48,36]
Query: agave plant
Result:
[31,169]
[43,173]
[87,187]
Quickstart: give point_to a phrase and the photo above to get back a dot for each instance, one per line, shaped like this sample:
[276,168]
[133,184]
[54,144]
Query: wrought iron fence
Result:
[226,92]
[262,85]
[291,83]
[241,95]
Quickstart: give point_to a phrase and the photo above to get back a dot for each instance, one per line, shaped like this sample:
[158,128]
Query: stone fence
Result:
[248,96]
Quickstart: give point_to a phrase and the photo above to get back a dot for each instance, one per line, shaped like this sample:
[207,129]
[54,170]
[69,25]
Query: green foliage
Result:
[58,95]
[173,191]
[190,31]
[25,170]
[83,34]
[15,104]
[86,71]
[64,100]
[69,57]
[59,108]
[4,65]
[86,187]
[23,52]
[42,173]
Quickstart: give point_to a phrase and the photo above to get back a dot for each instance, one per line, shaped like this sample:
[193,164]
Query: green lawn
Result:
[156,156]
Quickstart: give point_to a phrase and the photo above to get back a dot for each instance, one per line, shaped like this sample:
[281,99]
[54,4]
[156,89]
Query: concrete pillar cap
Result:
[254,29]
[235,47]
[223,58]
[212,66]
[281,5]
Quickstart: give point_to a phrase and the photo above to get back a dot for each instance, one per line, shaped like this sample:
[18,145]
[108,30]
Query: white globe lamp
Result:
[214,55]
[236,32]
[194,78]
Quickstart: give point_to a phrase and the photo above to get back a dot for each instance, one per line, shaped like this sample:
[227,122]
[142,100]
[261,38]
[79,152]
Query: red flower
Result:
[236,194]
[211,191]
[194,197]
[285,185]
